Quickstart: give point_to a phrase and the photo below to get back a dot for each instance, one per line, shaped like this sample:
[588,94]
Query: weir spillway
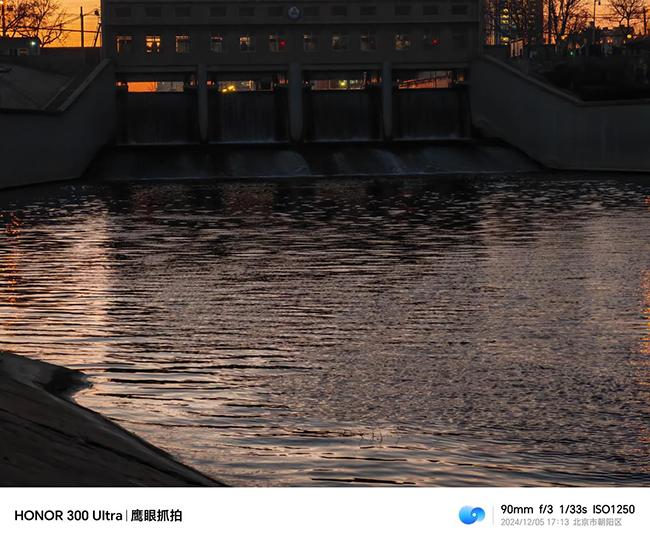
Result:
[265,116]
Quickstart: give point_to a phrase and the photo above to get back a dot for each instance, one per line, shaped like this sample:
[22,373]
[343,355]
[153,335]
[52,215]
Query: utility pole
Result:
[550,22]
[539,24]
[593,30]
[81,17]
[4,21]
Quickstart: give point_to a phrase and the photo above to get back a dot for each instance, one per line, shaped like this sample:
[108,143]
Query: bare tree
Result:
[515,19]
[627,11]
[44,19]
[567,17]
[523,19]
[17,15]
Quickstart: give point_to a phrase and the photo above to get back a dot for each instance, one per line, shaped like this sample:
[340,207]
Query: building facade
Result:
[210,46]
[19,46]
[260,34]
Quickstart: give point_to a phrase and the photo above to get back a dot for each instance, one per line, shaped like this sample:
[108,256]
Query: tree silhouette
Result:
[43,19]
[626,11]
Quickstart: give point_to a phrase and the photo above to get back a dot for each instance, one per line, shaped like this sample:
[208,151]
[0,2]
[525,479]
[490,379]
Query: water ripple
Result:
[403,331]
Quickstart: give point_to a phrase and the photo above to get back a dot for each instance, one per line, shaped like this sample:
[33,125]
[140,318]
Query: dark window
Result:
[430,9]
[339,41]
[247,43]
[123,44]
[402,41]
[218,11]
[402,10]
[459,39]
[459,10]
[182,11]
[312,11]
[183,44]
[368,11]
[277,42]
[339,11]
[247,11]
[310,41]
[153,11]
[367,41]
[431,39]
[216,43]
[123,11]
[276,11]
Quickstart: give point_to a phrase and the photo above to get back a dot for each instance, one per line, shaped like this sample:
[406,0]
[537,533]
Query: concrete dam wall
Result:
[184,162]
[153,118]
[554,128]
[54,144]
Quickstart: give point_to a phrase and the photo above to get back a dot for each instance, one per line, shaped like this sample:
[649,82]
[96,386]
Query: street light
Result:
[593,30]
[82,15]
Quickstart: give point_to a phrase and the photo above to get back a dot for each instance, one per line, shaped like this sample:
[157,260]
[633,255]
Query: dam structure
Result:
[256,71]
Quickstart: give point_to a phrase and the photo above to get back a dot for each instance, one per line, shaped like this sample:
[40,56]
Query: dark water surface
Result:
[396,331]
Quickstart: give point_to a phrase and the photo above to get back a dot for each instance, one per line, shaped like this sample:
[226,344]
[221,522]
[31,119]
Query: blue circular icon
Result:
[469,514]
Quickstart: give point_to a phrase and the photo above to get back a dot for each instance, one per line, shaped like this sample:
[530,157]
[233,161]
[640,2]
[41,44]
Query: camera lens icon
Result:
[470,514]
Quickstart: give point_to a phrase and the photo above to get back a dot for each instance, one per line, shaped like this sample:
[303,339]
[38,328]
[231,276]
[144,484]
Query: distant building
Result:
[19,46]
[616,37]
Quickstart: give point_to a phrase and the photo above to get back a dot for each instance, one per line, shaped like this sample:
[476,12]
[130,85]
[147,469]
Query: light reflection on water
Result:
[487,331]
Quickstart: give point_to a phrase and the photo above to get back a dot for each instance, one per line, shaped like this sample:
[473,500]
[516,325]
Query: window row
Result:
[278,42]
[400,10]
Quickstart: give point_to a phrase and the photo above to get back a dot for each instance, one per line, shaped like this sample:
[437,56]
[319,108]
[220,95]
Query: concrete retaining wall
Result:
[554,128]
[41,146]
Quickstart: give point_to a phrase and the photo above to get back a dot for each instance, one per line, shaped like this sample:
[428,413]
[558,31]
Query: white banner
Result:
[373,514]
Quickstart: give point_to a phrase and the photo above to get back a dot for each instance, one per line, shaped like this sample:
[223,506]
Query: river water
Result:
[484,331]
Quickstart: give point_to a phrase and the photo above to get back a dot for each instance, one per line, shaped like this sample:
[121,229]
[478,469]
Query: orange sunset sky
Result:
[72,9]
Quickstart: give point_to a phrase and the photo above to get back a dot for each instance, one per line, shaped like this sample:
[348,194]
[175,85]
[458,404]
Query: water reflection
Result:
[404,331]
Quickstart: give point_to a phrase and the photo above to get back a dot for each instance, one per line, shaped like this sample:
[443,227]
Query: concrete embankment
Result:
[556,129]
[47,440]
[57,139]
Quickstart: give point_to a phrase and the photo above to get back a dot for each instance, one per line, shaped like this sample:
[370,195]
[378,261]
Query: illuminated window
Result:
[216,43]
[367,41]
[339,41]
[311,11]
[459,39]
[402,10]
[123,44]
[218,11]
[459,10]
[431,39]
[277,42]
[430,9]
[152,44]
[402,41]
[247,11]
[310,42]
[153,11]
[123,11]
[182,44]
[247,43]
[182,11]
[339,11]
[368,11]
